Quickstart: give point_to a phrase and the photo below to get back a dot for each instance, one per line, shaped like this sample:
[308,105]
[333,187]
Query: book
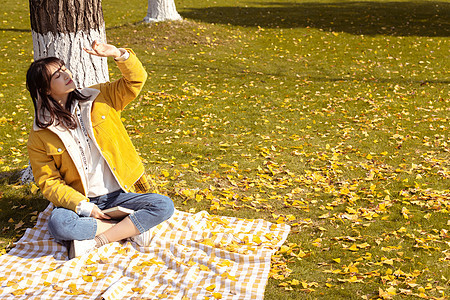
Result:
[118,212]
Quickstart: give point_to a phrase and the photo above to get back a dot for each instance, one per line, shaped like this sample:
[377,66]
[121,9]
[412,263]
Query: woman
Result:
[82,157]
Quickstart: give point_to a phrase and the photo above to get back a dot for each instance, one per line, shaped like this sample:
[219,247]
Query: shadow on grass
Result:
[368,18]
[15,30]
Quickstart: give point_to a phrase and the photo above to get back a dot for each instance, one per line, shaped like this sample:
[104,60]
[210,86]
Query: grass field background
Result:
[332,116]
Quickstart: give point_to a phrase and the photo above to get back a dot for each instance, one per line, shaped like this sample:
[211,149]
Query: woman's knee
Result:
[167,207]
[64,224]
[60,223]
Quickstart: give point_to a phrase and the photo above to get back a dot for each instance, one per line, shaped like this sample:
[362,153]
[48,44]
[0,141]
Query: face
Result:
[61,83]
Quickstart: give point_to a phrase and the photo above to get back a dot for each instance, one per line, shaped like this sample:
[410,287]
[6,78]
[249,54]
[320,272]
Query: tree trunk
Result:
[161,10]
[62,28]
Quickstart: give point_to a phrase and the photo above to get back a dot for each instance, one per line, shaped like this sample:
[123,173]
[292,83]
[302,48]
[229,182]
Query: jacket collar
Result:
[93,93]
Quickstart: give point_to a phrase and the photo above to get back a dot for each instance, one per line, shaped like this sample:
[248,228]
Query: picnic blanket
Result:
[191,256]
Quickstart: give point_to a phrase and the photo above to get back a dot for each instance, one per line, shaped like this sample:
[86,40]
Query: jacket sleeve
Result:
[48,177]
[124,90]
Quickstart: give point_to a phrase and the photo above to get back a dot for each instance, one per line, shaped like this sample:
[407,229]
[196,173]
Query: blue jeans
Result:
[149,210]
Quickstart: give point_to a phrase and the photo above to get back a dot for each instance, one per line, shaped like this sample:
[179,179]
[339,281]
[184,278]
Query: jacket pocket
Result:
[56,152]
[100,113]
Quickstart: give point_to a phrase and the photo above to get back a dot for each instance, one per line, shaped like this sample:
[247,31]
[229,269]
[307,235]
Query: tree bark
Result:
[62,28]
[161,10]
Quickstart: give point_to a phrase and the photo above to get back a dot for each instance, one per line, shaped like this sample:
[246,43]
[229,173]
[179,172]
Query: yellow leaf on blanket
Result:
[269,236]
[137,290]
[256,239]
[47,283]
[73,290]
[57,288]
[224,263]
[137,269]
[211,288]
[103,260]
[89,262]
[191,263]
[203,268]
[88,278]
[123,250]
[92,268]
[19,292]
[217,295]
[232,278]
[156,262]
[12,283]
[227,275]
[208,242]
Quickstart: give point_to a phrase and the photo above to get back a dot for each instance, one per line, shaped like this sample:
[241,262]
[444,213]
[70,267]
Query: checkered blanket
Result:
[191,256]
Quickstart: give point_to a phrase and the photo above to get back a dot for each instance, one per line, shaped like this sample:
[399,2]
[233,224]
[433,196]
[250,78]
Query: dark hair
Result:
[38,84]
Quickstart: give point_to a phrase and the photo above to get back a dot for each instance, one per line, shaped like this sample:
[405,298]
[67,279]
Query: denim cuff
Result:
[136,223]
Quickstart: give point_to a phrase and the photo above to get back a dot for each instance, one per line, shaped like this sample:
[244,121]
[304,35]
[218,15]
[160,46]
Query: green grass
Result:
[333,115]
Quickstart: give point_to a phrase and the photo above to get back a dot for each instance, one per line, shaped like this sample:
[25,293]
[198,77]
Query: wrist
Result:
[124,55]
[84,208]
[119,53]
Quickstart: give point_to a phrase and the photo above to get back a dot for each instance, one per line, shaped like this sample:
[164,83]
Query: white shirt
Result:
[101,180]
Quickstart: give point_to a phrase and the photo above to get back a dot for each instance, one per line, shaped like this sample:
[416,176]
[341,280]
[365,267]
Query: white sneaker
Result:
[79,248]
[142,239]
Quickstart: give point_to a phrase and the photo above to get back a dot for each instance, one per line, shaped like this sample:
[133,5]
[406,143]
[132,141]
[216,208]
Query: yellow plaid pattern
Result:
[191,256]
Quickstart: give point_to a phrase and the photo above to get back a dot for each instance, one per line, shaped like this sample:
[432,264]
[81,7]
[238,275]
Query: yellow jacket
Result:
[61,178]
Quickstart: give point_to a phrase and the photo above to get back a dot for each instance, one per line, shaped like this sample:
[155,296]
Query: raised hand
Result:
[103,50]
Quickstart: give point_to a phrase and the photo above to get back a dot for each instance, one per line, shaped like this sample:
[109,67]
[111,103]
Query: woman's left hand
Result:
[103,50]
[98,214]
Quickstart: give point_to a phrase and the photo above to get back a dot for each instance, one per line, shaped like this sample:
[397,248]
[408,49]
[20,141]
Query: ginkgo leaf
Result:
[211,288]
